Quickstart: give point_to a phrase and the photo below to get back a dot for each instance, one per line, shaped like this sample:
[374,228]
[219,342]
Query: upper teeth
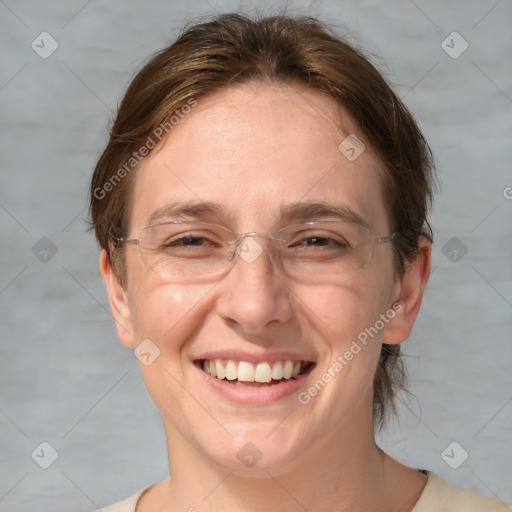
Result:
[248,372]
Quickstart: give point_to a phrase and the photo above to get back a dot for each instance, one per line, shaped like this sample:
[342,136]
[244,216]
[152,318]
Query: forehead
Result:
[255,149]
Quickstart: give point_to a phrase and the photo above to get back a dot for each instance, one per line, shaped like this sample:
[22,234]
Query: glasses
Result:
[185,249]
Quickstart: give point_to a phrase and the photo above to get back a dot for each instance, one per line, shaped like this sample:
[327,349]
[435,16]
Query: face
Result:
[254,151]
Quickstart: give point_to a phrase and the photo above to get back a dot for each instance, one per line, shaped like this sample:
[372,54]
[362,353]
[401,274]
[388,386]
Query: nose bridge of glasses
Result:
[245,246]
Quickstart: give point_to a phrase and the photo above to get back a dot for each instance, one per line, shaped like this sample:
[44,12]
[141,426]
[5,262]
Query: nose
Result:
[253,295]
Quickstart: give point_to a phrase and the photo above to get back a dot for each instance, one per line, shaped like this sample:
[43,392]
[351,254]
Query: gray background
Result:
[66,380]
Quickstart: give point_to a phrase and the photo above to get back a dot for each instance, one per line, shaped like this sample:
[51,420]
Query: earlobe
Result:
[410,294]
[118,301]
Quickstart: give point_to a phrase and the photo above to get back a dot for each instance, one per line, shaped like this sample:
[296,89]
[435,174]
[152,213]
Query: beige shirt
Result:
[438,496]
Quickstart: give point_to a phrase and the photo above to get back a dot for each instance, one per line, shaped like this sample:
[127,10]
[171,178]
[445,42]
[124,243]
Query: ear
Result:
[409,296]
[118,301]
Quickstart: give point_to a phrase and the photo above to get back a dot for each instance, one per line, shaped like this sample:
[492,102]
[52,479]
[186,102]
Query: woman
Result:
[262,207]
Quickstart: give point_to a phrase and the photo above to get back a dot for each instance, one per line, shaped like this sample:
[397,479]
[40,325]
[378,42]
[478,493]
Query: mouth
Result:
[261,374]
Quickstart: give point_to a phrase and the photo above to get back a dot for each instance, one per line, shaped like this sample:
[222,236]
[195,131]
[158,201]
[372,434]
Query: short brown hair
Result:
[232,49]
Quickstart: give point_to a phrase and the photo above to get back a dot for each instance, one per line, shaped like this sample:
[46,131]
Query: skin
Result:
[253,149]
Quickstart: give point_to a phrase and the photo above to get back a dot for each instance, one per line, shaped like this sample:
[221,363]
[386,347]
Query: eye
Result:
[192,243]
[324,240]
[189,240]
[319,241]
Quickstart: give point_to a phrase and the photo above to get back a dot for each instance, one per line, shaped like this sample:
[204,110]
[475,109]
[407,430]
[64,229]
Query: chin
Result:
[253,452]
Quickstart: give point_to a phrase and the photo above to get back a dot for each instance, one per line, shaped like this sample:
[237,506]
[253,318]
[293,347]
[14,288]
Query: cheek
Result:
[342,311]
[170,316]
[167,314]
[347,318]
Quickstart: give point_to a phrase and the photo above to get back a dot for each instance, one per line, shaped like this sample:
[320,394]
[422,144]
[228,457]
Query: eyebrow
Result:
[322,209]
[191,209]
[298,210]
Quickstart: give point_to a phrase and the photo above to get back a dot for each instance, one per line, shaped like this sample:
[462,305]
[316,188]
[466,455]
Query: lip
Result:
[254,395]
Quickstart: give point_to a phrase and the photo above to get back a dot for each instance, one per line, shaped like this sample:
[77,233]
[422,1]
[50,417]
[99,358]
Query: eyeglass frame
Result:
[240,237]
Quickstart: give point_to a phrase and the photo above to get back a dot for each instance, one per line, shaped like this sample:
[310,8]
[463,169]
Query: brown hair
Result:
[233,49]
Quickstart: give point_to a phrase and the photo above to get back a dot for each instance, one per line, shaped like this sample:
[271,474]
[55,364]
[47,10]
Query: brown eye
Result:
[189,241]
[320,241]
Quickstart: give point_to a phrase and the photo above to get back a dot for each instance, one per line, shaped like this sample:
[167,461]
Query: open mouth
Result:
[243,373]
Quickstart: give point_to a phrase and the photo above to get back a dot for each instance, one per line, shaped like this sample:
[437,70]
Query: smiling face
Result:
[255,159]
